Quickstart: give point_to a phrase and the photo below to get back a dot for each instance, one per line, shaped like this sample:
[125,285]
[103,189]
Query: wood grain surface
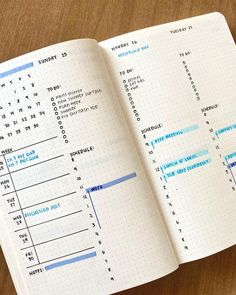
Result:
[29,25]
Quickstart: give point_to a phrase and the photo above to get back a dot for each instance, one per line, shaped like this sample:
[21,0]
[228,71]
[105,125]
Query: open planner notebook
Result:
[118,158]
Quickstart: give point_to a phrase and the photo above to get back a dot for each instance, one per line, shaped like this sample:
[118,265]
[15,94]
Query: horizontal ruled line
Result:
[29,146]
[53,199]
[60,257]
[49,220]
[65,236]
[33,165]
[26,187]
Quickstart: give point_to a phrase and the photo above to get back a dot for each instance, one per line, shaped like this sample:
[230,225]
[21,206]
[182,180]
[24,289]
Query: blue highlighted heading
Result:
[133,51]
[111,183]
[174,134]
[225,129]
[71,260]
[16,70]
[184,159]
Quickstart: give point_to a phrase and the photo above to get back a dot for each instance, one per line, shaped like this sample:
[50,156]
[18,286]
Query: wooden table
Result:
[29,25]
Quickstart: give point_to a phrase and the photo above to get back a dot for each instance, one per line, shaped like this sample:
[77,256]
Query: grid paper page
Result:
[77,214]
[177,87]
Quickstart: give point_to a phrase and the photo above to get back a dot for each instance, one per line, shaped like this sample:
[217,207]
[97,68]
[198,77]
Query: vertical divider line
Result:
[18,200]
[230,171]
[94,210]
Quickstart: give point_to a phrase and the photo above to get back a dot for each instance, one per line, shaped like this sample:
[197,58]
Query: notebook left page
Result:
[77,215]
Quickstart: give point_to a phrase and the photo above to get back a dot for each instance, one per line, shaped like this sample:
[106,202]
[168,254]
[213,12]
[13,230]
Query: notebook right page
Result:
[177,87]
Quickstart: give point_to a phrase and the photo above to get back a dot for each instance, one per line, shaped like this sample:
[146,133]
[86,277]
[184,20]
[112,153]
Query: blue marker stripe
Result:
[187,169]
[225,129]
[16,70]
[71,260]
[111,183]
[174,134]
[230,156]
[184,159]
[231,165]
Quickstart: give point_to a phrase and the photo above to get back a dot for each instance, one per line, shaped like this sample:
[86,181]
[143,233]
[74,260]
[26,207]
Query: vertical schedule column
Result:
[10,203]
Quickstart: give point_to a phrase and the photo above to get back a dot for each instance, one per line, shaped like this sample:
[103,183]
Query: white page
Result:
[166,76]
[77,214]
